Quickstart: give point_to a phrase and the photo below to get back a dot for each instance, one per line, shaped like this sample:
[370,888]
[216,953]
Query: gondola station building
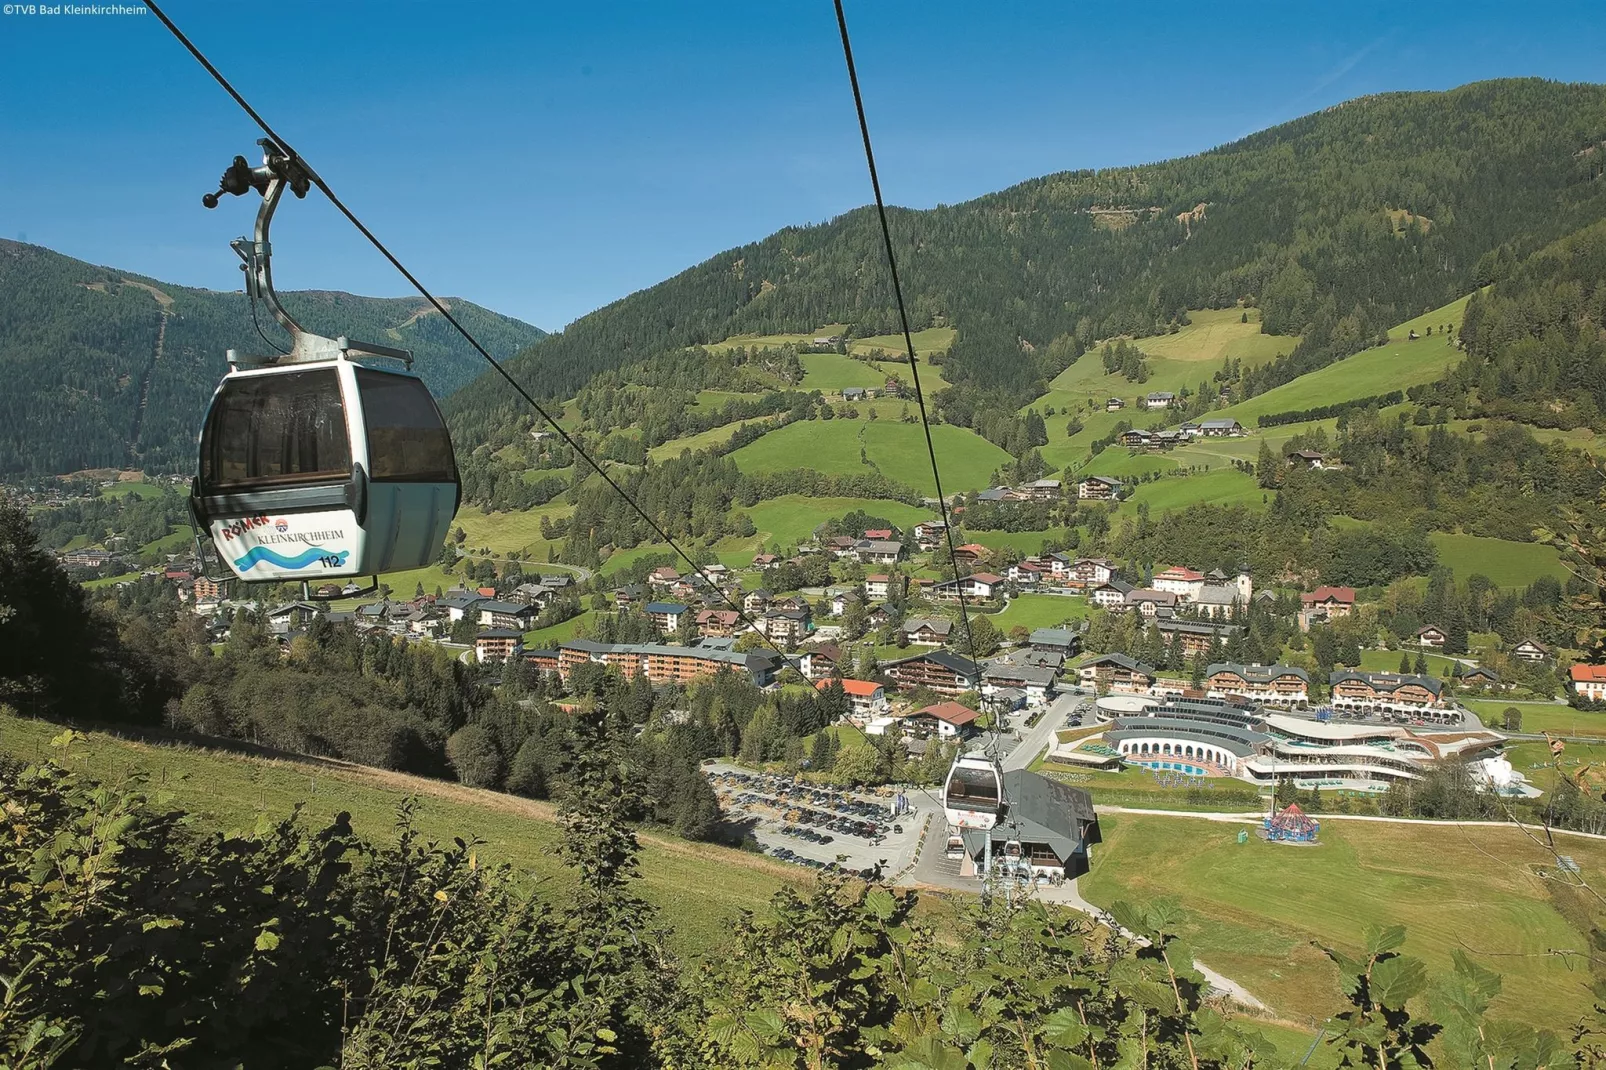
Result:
[1044,830]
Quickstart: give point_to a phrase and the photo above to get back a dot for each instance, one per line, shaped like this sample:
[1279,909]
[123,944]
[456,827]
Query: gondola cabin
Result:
[973,793]
[325,460]
[325,470]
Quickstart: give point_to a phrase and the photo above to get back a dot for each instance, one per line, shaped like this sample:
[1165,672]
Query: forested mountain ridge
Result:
[1336,225]
[85,386]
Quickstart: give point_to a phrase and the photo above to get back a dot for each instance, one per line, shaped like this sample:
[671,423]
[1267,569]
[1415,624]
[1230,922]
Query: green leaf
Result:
[881,903]
[1380,940]
[267,940]
[1398,979]
[1064,1028]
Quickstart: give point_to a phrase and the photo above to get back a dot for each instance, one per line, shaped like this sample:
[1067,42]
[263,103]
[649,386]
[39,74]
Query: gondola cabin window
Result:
[407,441]
[277,430]
[973,789]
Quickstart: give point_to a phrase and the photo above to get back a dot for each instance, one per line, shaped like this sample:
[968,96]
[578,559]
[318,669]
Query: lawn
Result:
[713,437]
[230,792]
[123,488]
[1389,661]
[832,371]
[1027,542]
[1032,611]
[548,638]
[1509,564]
[899,450]
[516,534]
[1120,463]
[1540,717]
[1400,364]
[180,538]
[930,340]
[792,519]
[1216,335]
[1223,486]
[1254,910]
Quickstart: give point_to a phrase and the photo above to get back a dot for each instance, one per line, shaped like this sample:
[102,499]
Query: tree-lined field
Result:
[898,450]
[1403,363]
[1221,486]
[1254,911]
[792,519]
[1509,564]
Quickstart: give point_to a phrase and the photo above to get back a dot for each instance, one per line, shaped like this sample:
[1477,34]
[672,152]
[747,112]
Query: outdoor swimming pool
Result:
[1174,767]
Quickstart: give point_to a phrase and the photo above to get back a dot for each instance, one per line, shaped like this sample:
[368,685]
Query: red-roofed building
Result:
[1325,604]
[947,719]
[970,553]
[1183,582]
[880,533]
[868,698]
[1589,681]
[485,592]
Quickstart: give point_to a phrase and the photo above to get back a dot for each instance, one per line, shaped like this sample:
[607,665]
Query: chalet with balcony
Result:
[1325,604]
[936,670]
[1589,682]
[497,644]
[1383,692]
[1098,489]
[1532,651]
[1269,685]
[1117,673]
[717,623]
[945,720]
[866,698]
[927,631]
[1431,637]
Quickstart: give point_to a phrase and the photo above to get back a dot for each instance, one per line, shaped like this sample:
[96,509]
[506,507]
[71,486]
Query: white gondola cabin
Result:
[973,793]
[314,464]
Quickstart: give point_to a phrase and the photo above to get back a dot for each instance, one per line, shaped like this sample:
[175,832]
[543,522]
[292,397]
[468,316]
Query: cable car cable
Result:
[445,311]
[903,319]
[914,371]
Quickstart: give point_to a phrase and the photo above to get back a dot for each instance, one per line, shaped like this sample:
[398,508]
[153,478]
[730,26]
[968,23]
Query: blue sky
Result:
[545,159]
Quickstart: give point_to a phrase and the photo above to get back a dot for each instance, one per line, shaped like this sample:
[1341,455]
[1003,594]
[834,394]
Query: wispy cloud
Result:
[1294,105]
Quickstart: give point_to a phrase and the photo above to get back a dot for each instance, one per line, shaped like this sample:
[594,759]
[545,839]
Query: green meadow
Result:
[1222,486]
[1256,911]
[792,519]
[1509,564]
[897,449]
[1400,364]
[516,534]
[1040,611]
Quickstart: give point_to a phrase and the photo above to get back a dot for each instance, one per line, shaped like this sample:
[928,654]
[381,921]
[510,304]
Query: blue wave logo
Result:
[311,555]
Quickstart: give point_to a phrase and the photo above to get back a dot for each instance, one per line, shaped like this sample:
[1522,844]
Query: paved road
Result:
[1041,735]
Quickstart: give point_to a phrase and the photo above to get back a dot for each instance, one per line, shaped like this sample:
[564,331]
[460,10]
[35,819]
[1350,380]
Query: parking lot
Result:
[818,826]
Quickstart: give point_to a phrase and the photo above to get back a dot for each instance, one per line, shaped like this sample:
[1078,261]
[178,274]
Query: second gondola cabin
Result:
[973,794]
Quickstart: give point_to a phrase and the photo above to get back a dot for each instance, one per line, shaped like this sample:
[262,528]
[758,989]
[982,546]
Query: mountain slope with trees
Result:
[1336,225]
[86,387]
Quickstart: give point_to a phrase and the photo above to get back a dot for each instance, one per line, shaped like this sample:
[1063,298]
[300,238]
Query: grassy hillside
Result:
[791,519]
[231,792]
[897,449]
[1223,486]
[1253,910]
[1400,364]
[1298,216]
[1509,564]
